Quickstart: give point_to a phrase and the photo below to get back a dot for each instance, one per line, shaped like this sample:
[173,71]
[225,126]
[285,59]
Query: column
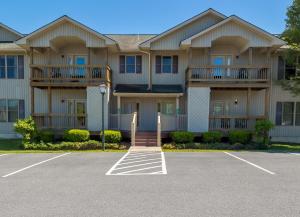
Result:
[119,111]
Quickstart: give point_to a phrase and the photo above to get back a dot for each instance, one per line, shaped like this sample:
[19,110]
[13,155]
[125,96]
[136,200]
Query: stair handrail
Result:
[133,128]
[158,130]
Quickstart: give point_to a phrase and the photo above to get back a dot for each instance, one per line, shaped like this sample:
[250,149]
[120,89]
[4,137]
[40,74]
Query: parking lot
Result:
[139,184]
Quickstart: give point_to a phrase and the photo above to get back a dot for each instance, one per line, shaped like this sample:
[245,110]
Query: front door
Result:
[80,62]
[76,113]
[148,119]
[222,61]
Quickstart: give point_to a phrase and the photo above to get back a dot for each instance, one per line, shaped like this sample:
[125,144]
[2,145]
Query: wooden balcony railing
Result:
[83,74]
[225,123]
[228,73]
[60,121]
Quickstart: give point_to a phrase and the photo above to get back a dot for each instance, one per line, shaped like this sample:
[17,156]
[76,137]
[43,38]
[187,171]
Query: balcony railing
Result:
[228,73]
[70,73]
[60,121]
[225,123]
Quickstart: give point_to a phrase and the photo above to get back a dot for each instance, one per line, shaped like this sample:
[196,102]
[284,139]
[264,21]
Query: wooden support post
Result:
[32,100]
[250,60]
[267,103]
[119,111]
[31,74]
[248,101]
[50,106]
[177,113]
[208,56]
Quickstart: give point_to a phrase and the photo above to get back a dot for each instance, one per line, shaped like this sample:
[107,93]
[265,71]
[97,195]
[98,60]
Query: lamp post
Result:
[102,88]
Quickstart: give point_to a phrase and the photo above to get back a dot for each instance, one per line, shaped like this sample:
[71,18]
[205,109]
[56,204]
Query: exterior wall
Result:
[172,41]
[94,109]
[128,78]
[6,35]
[228,97]
[198,108]
[15,89]
[231,29]
[170,78]
[67,30]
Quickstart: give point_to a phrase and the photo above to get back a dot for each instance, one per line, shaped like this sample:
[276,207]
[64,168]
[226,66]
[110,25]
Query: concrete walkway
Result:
[145,149]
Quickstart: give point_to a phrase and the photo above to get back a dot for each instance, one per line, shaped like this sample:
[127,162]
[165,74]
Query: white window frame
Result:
[134,64]
[6,109]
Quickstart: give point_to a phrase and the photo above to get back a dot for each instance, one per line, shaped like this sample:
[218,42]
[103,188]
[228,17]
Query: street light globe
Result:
[102,88]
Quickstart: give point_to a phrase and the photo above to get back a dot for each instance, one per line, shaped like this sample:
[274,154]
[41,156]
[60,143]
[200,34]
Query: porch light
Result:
[102,88]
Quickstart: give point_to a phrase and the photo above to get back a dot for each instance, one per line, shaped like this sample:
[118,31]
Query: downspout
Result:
[149,70]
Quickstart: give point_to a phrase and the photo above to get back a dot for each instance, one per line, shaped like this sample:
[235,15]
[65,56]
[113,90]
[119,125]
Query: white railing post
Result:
[158,130]
[133,129]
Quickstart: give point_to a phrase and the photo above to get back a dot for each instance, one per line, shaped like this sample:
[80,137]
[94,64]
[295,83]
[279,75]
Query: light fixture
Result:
[102,88]
[236,101]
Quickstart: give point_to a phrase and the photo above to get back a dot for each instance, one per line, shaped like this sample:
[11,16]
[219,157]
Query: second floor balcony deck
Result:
[69,75]
[229,74]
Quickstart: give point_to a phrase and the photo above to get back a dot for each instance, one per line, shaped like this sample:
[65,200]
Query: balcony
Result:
[224,75]
[69,75]
[60,121]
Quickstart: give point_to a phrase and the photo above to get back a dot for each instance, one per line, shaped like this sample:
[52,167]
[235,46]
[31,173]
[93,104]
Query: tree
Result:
[292,36]
[262,129]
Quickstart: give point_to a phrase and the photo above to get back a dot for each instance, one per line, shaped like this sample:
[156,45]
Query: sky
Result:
[138,16]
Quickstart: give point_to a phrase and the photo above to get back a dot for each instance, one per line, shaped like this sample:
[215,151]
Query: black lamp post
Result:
[102,88]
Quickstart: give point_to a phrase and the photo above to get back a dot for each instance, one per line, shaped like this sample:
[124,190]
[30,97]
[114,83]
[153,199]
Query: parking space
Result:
[195,184]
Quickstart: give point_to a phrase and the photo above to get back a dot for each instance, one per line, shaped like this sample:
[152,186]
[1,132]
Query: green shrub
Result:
[239,136]
[75,135]
[262,129]
[112,146]
[168,146]
[112,136]
[212,137]
[45,135]
[182,137]
[26,128]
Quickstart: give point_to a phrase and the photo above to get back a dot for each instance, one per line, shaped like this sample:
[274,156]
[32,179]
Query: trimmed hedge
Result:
[212,137]
[112,136]
[45,135]
[239,136]
[75,135]
[87,145]
[182,137]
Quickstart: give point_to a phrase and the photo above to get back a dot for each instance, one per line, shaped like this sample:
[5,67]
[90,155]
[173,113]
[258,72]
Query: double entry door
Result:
[76,110]
[80,61]
[222,61]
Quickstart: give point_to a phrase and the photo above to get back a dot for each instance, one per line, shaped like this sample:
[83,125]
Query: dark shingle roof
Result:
[143,88]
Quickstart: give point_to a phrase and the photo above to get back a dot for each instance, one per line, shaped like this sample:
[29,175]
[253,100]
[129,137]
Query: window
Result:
[285,113]
[297,121]
[130,64]
[167,108]
[218,108]
[286,70]
[12,67]
[11,110]
[166,64]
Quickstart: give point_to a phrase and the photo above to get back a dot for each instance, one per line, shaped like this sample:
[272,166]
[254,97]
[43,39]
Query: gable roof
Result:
[69,19]
[275,39]
[209,11]
[11,30]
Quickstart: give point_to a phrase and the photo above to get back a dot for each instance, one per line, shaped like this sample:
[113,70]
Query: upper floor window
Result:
[166,64]
[286,70]
[11,66]
[130,64]
[288,113]
[11,110]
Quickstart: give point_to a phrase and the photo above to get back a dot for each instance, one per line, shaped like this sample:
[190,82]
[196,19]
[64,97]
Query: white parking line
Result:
[252,164]
[164,166]
[33,165]
[116,164]
[3,155]
[147,168]
[137,165]
[139,161]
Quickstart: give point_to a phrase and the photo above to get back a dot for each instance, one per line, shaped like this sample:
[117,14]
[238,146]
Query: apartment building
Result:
[211,72]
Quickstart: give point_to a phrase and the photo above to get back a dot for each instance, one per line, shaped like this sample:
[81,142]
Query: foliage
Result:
[262,129]
[112,136]
[239,136]
[45,135]
[169,146]
[27,128]
[292,36]
[182,137]
[212,137]
[75,135]
[87,145]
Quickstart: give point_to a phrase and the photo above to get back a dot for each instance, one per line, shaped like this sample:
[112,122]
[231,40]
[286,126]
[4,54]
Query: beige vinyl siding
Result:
[59,99]
[228,97]
[15,89]
[231,29]
[170,78]
[128,78]
[66,30]
[172,41]
[6,35]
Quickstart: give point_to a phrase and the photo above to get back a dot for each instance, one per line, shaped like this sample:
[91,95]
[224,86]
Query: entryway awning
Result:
[142,89]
